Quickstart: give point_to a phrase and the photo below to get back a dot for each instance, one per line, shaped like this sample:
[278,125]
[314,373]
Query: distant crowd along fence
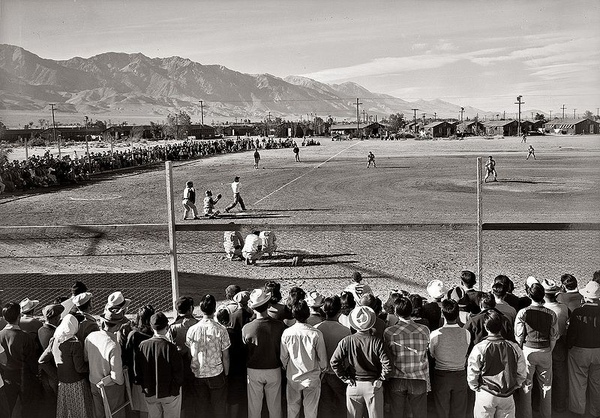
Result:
[99,255]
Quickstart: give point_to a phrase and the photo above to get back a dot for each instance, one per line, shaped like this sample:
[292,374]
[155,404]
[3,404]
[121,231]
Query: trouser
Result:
[299,395]
[450,393]
[364,395]
[560,381]
[539,366]
[210,395]
[167,407]
[411,393]
[237,198]
[584,375]
[490,406]
[115,394]
[332,403]
[267,383]
[188,205]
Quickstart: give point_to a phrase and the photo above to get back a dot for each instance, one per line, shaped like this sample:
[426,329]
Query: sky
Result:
[476,53]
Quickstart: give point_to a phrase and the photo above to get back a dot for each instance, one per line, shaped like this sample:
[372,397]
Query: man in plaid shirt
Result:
[406,344]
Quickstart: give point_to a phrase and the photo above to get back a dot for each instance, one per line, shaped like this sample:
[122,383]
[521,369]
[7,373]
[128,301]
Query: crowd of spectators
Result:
[458,352]
[51,170]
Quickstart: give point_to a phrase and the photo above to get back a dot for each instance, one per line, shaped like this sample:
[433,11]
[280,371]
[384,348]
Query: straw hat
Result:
[28,305]
[258,297]
[81,299]
[314,299]
[436,289]
[117,300]
[591,290]
[550,286]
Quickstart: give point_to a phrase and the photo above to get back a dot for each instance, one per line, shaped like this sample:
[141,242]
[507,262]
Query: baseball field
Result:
[415,182]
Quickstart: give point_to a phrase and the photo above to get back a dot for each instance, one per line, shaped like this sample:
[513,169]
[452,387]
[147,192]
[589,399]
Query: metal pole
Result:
[54,129]
[479,223]
[87,146]
[172,234]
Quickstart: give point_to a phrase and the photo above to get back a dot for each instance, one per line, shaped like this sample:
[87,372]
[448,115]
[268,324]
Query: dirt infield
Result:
[414,182]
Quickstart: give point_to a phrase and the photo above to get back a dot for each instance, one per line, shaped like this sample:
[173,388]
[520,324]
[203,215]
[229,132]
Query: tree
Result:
[100,124]
[588,115]
[396,122]
[540,116]
[177,125]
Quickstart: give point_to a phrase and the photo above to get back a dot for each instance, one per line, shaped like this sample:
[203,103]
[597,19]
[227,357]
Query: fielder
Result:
[371,160]
[530,152]
[490,167]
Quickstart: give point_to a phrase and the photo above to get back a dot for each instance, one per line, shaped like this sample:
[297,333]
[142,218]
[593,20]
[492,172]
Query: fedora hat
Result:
[550,286]
[113,316]
[52,311]
[362,318]
[117,300]
[436,289]
[531,281]
[28,305]
[81,299]
[242,297]
[314,299]
[258,297]
[591,290]
[458,294]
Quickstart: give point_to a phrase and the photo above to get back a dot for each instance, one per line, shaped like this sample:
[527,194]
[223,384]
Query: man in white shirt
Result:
[304,357]
[252,249]
[209,343]
[103,354]
[237,197]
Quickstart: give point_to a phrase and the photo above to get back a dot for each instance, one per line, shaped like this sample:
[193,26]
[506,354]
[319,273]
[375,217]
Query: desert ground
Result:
[415,182]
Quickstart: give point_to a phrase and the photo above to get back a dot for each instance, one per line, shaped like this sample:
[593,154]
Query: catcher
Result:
[209,205]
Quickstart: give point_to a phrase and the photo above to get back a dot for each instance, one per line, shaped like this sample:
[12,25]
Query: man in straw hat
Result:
[361,362]
[407,343]
[103,354]
[262,338]
[583,340]
[82,306]
[432,310]
[315,301]
[29,323]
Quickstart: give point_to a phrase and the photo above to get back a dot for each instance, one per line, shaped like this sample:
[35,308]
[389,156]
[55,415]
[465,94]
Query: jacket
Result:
[496,366]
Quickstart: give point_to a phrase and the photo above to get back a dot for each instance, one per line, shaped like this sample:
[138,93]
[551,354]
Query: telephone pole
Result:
[462,111]
[550,115]
[87,145]
[519,102]
[574,113]
[201,119]
[358,117]
[415,119]
[54,128]
[563,109]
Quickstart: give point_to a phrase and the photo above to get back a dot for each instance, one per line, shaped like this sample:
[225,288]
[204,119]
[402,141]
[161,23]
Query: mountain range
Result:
[120,85]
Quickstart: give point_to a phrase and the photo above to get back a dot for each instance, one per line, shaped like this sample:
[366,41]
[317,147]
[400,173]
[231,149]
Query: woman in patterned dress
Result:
[74,396]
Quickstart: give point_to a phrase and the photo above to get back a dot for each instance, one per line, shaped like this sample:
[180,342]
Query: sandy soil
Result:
[415,182]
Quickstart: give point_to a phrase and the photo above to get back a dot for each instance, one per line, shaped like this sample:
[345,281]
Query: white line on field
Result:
[299,177]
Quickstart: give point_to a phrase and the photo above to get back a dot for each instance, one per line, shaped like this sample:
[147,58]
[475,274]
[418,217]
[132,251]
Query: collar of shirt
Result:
[12,326]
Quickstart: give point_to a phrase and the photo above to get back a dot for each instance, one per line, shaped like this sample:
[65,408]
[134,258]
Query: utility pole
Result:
[54,128]
[462,111]
[434,116]
[415,119]
[358,117]
[364,116]
[550,115]
[268,120]
[202,119]
[176,127]
[563,109]
[519,102]
[87,146]
[574,113]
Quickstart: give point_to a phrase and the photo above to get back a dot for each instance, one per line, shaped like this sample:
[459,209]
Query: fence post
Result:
[172,236]
[479,223]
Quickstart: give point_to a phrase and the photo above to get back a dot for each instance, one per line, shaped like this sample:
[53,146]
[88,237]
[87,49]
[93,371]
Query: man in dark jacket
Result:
[496,369]
[159,369]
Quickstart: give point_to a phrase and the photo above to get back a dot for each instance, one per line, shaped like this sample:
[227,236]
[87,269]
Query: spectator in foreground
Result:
[159,369]
[209,343]
[571,296]
[468,281]
[303,356]
[536,330]
[333,391]
[406,345]
[74,396]
[263,342]
[583,341]
[449,346]
[496,369]
[361,362]
[103,354]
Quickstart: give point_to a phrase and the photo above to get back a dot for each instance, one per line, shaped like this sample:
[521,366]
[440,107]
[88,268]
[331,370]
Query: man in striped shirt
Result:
[406,344]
